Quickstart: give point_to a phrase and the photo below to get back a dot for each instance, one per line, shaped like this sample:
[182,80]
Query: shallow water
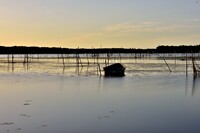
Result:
[49,103]
[137,66]
[45,97]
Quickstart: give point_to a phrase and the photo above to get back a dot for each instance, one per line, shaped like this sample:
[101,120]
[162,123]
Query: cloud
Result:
[146,27]
[195,20]
[120,28]
[130,27]
[150,23]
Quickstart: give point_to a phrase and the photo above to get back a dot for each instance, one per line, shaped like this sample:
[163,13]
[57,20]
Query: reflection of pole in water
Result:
[99,85]
[175,61]
[13,58]
[99,69]
[194,84]
[78,69]
[26,66]
[87,69]
[186,85]
[8,67]
[13,67]
[63,71]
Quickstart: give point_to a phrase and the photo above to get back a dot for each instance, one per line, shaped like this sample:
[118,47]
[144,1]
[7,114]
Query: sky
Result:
[99,23]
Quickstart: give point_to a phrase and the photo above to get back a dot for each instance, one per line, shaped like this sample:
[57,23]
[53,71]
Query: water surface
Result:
[42,96]
[49,103]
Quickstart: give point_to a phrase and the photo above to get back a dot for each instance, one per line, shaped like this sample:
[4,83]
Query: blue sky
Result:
[95,23]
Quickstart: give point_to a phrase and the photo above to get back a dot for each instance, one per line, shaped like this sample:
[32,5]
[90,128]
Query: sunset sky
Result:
[99,23]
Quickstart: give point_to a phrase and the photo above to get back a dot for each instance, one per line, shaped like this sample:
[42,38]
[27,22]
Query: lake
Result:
[42,98]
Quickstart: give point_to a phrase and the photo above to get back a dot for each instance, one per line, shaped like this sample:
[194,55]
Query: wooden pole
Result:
[175,58]
[194,68]
[108,56]
[186,66]
[13,58]
[8,57]
[87,59]
[168,66]
[26,58]
[58,58]
[63,59]
[99,68]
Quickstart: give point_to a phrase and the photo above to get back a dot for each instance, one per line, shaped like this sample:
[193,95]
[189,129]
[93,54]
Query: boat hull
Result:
[114,70]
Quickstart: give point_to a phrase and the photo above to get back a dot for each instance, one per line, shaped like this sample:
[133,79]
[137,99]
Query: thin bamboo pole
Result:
[186,66]
[99,69]
[63,59]
[167,66]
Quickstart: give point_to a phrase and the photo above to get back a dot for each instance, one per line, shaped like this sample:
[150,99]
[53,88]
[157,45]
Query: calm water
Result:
[152,64]
[41,101]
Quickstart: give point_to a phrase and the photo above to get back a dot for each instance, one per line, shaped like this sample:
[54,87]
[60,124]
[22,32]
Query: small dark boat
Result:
[114,70]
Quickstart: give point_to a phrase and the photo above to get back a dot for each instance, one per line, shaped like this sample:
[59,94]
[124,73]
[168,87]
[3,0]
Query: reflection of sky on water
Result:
[53,65]
[45,97]
[46,103]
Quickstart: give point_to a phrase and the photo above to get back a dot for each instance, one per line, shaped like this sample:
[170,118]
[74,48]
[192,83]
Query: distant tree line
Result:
[178,49]
[58,50]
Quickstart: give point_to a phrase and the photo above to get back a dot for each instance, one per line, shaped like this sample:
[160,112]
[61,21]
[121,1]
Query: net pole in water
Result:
[168,66]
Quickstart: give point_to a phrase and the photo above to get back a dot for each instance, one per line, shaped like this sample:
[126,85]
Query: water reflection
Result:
[195,84]
[186,85]
[87,66]
[26,66]
[82,104]
[10,67]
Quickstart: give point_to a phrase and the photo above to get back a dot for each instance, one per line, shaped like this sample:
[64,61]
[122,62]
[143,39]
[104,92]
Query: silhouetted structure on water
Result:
[196,68]
[114,70]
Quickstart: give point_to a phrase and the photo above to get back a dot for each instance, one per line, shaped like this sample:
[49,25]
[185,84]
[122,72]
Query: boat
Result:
[114,70]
